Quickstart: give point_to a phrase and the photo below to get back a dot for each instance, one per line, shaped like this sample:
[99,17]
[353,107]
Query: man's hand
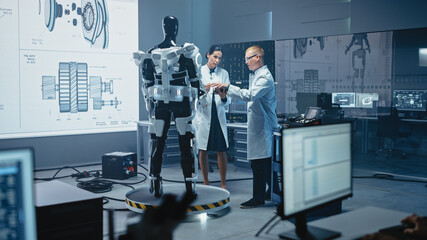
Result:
[159,222]
[379,236]
[420,226]
[217,85]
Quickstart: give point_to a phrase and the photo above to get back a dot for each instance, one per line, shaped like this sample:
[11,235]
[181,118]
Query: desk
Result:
[238,144]
[360,222]
[237,125]
[351,225]
[364,120]
[365,137]
[146,123]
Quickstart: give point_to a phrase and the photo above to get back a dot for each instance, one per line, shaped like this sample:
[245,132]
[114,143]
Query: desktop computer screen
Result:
[18,219]
[410,100]
[312,113]
[345,100]
[305,100]
[316,169]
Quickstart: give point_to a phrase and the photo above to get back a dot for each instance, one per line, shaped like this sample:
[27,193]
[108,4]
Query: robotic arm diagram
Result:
[358,60]
[91,14]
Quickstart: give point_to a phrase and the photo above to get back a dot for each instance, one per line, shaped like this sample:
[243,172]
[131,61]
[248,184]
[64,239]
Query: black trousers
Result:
[164,111]
[261,169]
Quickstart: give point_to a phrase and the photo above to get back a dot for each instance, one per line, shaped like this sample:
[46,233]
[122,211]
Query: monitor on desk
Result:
[410,100]
[305,100]
[18,219]
[345,100]
[316,163]
[312,113]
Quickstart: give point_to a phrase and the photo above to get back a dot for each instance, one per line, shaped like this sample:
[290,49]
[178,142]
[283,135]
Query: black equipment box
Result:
[64,211]
[119,165]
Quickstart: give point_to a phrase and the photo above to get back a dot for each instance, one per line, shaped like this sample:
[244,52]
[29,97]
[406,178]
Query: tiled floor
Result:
[237,223]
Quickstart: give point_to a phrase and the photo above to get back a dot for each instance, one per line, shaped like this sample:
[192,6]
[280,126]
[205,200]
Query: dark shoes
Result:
[252,203]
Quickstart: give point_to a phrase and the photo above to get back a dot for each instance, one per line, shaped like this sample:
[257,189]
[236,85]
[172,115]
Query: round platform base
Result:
[209,198]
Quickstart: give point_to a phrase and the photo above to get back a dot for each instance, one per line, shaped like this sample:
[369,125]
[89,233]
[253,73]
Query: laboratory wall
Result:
[252,20]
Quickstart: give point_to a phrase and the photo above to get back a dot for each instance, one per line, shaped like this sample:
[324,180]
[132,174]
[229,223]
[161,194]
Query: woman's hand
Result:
[222,92]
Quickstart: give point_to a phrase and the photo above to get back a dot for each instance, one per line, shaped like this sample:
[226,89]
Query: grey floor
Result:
[237,223]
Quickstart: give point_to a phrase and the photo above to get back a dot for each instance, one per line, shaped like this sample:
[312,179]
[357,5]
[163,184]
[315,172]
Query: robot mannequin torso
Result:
[171,85]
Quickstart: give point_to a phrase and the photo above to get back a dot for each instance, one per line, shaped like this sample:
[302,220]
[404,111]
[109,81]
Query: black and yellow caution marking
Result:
[208,206]
[190,209]
[209,198]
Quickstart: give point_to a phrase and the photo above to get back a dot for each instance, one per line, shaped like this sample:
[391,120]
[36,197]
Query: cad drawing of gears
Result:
[52,10]
[93,15]
[95,22]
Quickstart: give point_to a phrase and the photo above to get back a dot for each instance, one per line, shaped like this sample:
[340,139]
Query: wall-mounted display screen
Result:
[410,100]
[66,67]
[345,100]
[366,100]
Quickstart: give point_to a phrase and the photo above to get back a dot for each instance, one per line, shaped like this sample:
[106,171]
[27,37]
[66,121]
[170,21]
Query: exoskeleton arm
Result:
[192,52]
[146,67]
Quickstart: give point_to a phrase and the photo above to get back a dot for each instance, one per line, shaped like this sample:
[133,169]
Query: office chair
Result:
[389,128]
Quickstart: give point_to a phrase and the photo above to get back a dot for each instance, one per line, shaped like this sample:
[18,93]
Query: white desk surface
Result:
[232,125]
[360,222]
[237,125]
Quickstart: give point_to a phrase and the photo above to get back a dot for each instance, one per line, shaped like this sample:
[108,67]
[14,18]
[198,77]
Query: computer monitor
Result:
[17,194]
[324,100]
[366,100]
[345,100]
[316,171]
[312,113]
[305,100]
[410,100]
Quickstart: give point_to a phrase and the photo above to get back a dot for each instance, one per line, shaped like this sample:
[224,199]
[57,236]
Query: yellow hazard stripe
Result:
[190,209]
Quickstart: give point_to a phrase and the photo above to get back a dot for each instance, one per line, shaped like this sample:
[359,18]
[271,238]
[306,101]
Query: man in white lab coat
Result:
[262,119]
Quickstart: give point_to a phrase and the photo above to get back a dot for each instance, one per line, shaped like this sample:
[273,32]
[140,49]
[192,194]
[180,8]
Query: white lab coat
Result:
[262,119]
[203,114]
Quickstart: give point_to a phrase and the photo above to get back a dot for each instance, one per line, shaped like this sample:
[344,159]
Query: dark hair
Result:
[213,48]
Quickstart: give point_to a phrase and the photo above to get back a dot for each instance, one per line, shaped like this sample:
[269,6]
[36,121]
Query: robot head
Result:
[170,27]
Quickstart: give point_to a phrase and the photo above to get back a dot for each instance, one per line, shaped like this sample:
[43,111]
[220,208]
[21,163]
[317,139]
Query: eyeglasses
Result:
[247,58]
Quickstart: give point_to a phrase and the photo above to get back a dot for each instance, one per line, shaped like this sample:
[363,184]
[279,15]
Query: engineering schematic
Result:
[93,15]
[74,89]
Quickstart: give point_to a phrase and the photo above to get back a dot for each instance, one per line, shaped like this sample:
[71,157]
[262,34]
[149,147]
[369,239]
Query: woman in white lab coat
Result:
[211,125]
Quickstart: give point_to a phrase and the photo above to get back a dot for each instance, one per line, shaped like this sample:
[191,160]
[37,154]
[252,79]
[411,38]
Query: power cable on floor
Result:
[390,177]
[56,168]
[265,225]
[56,173]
